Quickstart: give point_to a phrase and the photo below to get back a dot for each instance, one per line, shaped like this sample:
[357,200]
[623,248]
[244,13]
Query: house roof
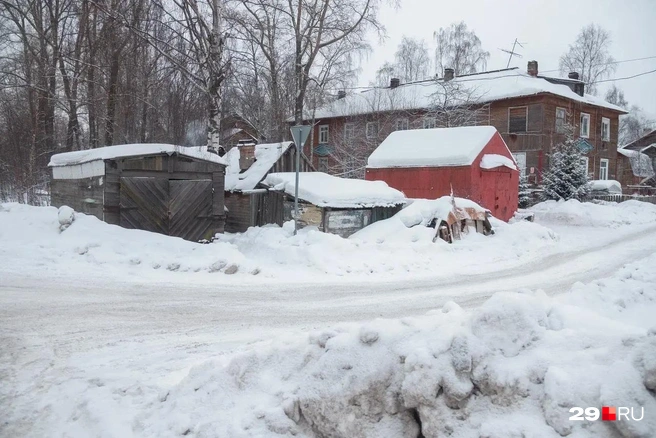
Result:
[480,87]
[325,190]
[635,144]
[132,150]
[266,155]
[432,147]
[641,164]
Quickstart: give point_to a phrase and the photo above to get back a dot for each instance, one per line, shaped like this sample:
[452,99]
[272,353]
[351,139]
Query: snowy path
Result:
[62,339]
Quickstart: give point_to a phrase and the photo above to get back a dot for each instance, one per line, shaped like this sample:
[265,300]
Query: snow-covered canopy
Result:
[266,155]
[605,185]
[129,150]
[325,190]
[492,161]
[481,87]
[641,164]
[431,147]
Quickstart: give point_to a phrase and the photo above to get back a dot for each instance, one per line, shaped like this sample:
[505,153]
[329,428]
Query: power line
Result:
[626,77]
[610,63]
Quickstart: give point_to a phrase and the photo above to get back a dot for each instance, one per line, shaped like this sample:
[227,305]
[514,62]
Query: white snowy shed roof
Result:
[480,87]
[266,155]
[641,164]
[325,190]
[492,161]
[431,147]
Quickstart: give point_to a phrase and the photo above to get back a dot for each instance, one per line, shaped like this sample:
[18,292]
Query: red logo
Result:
[608,413]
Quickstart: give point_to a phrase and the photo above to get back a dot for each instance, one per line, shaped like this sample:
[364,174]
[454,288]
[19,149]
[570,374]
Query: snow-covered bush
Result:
[66,216]
[566,178]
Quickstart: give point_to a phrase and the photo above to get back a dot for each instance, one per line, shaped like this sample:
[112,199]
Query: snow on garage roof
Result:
[266,156]
[492,161]
[132,150]
[325,190]
[431,147]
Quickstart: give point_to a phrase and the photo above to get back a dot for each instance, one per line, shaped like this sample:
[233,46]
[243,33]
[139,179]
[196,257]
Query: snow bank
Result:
[510,368]
[325,190]
[603,214]
[266,156]
[431,147]
[492,161]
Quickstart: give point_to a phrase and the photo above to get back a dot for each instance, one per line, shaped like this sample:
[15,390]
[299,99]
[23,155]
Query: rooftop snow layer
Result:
[641,164]
[325,190]
[483,87]
[492,161]
[132,150]
[266,156]
[431,147]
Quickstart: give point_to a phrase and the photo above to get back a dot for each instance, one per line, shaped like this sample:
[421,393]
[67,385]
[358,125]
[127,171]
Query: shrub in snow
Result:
[566,178]
[524,192]
[66,216]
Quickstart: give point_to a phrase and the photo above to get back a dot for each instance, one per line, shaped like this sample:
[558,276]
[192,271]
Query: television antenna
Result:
[512,52]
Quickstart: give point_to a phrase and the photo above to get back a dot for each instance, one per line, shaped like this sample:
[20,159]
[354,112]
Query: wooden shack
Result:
[172,190]
[250,203]
[336,205]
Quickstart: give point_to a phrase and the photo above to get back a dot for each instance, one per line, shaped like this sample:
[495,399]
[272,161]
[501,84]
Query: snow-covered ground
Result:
[101,326]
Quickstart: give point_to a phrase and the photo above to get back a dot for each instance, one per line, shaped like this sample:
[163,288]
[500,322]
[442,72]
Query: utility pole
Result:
[299,134]
[512,52]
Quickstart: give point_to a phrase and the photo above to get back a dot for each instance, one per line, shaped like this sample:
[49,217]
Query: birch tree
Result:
[460,49]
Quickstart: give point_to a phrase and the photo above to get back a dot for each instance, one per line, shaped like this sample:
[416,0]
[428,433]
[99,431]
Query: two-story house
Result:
[532,113]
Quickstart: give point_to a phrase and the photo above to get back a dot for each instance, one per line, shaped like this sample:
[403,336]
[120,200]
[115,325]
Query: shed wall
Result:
[83,195]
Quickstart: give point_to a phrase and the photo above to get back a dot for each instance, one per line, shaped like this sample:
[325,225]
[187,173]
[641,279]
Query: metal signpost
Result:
[299,134]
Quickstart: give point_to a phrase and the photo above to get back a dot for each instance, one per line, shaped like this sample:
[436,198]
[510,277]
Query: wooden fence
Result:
[622,198]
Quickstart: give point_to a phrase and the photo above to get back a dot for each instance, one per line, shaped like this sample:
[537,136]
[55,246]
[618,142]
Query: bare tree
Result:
[632,125]
[383,75]
[589,55]
[460,49]
[412,60]
[457,104]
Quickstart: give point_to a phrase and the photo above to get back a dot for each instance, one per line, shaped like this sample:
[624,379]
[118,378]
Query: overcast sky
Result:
[546,27]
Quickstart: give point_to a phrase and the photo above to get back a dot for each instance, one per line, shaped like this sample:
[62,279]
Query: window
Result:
[349,132]
[605,129]
[585,162]
[520,159]
[603,168]
[323,164]
[372,130]
[402,124]
[585,125]
[323,134]
[429,123]
[517,118]
[561,120]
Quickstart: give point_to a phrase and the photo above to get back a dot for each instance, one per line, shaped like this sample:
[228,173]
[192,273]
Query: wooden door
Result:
[190,209]
[144,204]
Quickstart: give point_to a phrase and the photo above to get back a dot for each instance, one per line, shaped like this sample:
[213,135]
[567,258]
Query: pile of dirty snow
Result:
[511,368]
[600,214]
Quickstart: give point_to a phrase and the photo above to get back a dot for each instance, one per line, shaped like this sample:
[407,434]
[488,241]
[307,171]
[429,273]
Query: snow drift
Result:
[509,369]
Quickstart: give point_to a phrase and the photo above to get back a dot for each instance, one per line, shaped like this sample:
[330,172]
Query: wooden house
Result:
[173,190]
[471,162]
[236,129]
[249,203]
[336,205]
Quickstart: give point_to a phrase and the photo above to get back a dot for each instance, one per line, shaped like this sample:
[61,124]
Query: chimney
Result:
[573,75]
[579,88]
[246,155]
[341,94]
[395,82]
[448,74]
[532,68]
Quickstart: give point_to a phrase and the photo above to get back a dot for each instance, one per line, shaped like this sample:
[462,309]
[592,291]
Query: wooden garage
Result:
[471,162]
[167,189]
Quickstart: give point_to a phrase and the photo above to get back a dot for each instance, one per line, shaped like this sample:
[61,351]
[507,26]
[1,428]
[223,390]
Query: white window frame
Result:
[323,134]
[349,132]
[561,129]
[403,123]
[429,123]
[586,162]
[522,170]
[525,123]
[585,116]
[369,137]
[607,163]
[605,121]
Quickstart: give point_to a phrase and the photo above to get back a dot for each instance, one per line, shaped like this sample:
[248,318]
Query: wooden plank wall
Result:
[267,208]
[83,195]
[238,218]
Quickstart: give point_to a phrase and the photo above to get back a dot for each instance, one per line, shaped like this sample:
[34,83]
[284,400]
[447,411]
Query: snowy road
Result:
[61,338]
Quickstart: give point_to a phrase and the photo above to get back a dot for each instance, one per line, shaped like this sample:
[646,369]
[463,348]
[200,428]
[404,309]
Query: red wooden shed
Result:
[428,163]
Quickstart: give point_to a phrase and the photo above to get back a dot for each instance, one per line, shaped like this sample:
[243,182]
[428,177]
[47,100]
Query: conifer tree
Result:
[524,192]
[566,177]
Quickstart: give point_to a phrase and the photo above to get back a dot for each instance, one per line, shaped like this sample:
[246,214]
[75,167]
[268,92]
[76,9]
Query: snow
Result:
[641,164]
[485,87]
[492,161]
[325,190]
[607,185]
[266,156]
[114,332]
[431,147]
[131,150]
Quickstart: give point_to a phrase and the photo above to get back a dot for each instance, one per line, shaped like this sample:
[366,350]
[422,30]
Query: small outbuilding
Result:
[248,202]
[167,189]
[336,205]
[470,162]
